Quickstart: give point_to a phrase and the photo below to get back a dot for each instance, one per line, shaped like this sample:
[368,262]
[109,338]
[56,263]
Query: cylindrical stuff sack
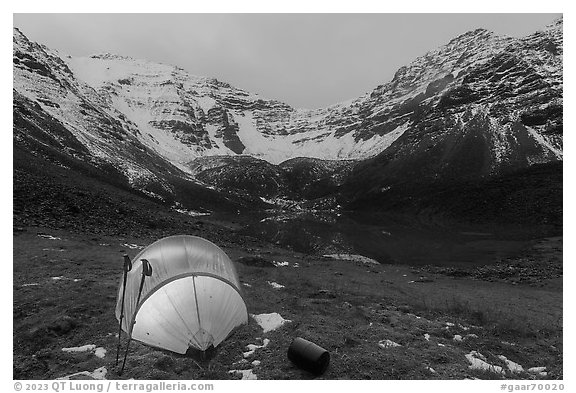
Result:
[308,356]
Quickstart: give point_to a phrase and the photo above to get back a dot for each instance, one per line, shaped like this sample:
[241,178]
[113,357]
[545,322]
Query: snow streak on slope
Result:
[545,143]
[320,143]
[181,116]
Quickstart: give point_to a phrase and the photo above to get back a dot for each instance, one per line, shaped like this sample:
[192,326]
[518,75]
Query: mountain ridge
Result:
[480,106]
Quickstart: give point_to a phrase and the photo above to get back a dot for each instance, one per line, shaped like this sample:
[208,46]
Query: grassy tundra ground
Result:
[70,232]
[65,286]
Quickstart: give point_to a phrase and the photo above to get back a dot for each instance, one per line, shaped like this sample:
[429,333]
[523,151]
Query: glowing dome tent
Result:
[191,299]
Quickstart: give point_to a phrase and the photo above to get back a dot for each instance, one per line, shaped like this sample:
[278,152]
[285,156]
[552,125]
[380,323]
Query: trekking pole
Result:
[146,271]
[127,268]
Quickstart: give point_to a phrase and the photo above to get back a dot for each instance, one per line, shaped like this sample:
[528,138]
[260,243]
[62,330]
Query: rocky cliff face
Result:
[479,116]
[183,117]
[479,106]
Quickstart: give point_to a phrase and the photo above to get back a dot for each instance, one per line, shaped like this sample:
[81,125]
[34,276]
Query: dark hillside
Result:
[51,195]
[531,196]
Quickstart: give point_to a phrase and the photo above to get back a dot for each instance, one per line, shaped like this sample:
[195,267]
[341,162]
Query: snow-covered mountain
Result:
[481,105]
[477,116]
[182,116]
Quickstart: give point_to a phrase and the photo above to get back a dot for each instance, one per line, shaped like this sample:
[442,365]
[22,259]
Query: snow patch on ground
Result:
[512,366]
[246,374]
[191,213]
[132,246]
[280,264]
[275,285]
[478,362]
[253,347]
[83,348]
[427,337]
[153,194]
[60,278]
[99,373]
[32,284]
[540,371]
[270,322]
[352,257]
[50,237]
[99,352]
[388,344]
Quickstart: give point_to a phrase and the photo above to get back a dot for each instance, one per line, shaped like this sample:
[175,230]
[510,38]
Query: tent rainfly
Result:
[191,298]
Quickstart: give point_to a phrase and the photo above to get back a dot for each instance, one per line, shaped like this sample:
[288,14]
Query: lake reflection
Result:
[388,239]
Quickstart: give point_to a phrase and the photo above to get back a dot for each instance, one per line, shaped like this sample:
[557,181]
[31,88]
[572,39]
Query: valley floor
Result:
[65,286]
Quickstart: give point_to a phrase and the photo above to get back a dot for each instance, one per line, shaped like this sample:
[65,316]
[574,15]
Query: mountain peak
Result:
[556,24]
[479,33]
[18,36]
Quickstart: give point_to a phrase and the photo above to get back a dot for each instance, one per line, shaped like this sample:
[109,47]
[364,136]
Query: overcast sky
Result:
[305,60]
